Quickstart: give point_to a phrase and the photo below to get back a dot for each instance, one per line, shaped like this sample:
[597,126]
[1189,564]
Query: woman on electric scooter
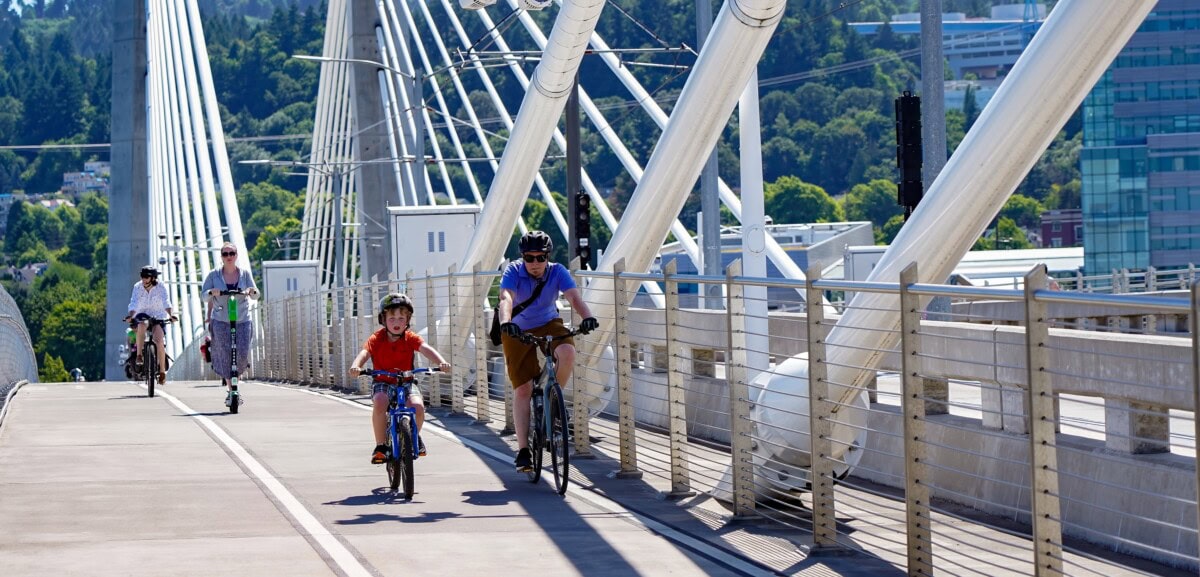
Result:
[230,276]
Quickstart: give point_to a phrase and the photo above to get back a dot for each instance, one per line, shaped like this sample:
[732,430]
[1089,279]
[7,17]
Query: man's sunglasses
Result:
[226,253]
[147,276]
[534,257]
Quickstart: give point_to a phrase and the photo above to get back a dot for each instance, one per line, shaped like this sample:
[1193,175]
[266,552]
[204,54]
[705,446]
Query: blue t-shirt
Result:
[544,309]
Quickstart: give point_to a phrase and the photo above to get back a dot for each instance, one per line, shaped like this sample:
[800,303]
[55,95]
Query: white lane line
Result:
[337,552]
[595,499]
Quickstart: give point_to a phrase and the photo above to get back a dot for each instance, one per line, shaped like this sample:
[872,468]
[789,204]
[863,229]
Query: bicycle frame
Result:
[396,413]
[400,461]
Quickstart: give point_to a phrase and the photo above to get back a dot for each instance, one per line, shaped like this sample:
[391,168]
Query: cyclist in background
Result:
[538,316]
[229,277]
[150,301]
[393,348]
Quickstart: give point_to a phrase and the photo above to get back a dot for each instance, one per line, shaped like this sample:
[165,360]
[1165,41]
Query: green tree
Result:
[874,202]
[1006,236]
[273,242]
[887,233]
[69,332]
[1064,196]
[970,107]
[791,200]
[1024,211]
[53,371]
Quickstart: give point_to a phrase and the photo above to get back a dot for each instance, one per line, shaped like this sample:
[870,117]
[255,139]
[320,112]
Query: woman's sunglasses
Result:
[534,257]
[226,253]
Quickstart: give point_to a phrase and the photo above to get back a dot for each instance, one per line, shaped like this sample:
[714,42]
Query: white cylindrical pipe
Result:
[712,90]
[1065,59]
[754,231]
[526,148]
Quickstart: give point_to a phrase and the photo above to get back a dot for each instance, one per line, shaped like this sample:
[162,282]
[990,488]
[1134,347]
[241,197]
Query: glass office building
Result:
[1140,161]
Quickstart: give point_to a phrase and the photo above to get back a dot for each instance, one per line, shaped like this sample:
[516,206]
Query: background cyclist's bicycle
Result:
[548,415]
[148,370]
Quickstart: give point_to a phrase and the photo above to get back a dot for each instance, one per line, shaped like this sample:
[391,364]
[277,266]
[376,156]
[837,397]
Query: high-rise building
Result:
[1140,161]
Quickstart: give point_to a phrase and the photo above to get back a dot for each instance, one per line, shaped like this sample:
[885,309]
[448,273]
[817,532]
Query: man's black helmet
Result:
[536,241]
[149,271]
[393,300]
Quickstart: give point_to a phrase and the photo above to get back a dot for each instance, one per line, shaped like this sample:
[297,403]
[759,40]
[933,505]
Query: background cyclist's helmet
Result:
[149,271]
[536,241]
[394,300]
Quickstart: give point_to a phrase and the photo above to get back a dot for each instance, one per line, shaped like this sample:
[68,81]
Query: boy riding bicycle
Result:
[535,284]
[393,348]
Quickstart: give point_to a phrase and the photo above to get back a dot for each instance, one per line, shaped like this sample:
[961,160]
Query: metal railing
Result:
[1032,448]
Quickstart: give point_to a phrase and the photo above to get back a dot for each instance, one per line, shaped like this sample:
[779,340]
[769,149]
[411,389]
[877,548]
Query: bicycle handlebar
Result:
[531,339]
[232,292]
[400,375]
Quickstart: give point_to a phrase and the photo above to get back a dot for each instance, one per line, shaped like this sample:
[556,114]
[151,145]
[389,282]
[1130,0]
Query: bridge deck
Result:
[97,479]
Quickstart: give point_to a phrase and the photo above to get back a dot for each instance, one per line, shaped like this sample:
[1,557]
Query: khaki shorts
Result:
[521,360]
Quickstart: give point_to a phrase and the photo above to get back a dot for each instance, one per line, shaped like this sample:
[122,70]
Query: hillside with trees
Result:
[826,106]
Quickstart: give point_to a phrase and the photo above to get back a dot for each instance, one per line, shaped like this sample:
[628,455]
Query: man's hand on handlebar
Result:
[355,371]
[588,325]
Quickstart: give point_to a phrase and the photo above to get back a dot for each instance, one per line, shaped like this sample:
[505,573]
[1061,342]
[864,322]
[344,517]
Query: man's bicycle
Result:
[149,368]
[401,439]
[233,400]
[548,415]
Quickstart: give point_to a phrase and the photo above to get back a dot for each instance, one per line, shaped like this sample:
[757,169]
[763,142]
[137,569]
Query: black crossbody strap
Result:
[537,291]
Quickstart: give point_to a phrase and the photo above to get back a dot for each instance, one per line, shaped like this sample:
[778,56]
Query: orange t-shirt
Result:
[389,355]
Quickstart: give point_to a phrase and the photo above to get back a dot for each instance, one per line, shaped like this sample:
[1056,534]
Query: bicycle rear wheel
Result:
[558,444]
[405,459]
[150,365]
[536,439]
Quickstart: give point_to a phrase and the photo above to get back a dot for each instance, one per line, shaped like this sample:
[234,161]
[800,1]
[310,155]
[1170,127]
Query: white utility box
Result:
[430,237]
[286,278]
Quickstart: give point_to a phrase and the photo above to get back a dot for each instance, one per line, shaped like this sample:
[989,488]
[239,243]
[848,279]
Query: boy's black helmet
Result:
[536,241]
[394,300]
[149,271]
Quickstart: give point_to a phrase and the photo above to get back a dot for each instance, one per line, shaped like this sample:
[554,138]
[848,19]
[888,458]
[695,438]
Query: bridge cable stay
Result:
[185,229]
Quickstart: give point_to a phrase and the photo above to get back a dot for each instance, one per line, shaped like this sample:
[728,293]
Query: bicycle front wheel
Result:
[536,440]
[150,365]
[405,458]
[558,444]
[393,464]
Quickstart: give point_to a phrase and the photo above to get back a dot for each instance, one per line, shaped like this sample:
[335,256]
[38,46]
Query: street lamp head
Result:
[380,65]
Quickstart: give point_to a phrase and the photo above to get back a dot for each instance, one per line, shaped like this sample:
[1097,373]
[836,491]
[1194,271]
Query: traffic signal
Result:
[909,151]
[582,229]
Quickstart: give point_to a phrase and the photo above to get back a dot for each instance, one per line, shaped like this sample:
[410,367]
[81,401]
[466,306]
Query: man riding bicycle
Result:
[536,284]
[150,301]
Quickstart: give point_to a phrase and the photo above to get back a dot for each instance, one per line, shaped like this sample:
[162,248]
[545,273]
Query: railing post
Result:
[293,351]
[482,398]
[580,414]
[916,491]
[1151,277]
[435,384]
[340,318]
[309,336]
[1045,510]
[676,395]
[740,427]
[456,381]
[1195,328]
[819,409]
[625,414]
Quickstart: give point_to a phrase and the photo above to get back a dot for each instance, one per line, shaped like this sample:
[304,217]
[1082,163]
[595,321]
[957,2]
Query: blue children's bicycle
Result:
[401,440]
